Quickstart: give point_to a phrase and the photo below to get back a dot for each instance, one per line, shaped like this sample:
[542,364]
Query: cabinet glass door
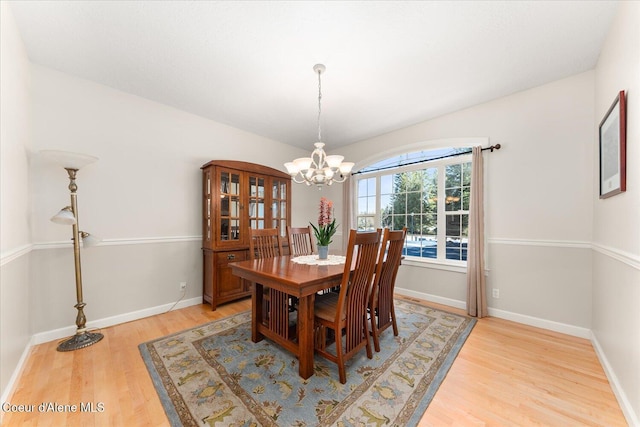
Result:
[279,205]
[206,205]
[257,202]
[230,214]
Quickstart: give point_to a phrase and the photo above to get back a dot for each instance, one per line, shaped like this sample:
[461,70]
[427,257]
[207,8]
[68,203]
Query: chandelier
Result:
[319,169]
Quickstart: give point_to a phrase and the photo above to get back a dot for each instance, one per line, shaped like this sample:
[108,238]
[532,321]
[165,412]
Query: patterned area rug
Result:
[214,375]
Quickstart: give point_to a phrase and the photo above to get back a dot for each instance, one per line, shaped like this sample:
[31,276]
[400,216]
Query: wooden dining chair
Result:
[381,309]
[346,311]
[267,243]
[300,240]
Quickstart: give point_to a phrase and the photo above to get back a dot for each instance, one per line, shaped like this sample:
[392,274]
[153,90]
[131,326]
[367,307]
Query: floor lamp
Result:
[68,215]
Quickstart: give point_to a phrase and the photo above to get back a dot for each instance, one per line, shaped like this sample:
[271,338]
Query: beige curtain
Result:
[476,288]
[347,210]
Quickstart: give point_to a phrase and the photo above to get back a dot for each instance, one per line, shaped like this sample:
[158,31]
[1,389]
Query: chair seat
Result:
[326,305]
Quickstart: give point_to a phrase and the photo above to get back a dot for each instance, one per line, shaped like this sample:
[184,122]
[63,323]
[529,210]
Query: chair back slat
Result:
[264,243]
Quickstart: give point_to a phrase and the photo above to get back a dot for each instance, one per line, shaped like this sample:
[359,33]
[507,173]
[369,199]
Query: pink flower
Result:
[326,224]
[326,206]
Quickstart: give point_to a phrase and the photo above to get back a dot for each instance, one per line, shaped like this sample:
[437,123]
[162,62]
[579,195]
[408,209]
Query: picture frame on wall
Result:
[613,153]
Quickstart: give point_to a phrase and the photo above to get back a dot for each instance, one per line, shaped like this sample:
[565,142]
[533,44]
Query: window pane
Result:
[466,173]
[400,204]
[386,184]
[366,223]
[453,250]
[465,225]
[367,187]
[399,222]
[371,205]
[452,199]
[466,193]
[362,187]
[399,181]
[453,226]
[385,204]
[429,224]
[453,176]
[387,221]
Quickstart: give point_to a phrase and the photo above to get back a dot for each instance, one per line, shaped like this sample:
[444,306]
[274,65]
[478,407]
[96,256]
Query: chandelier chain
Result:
[319,104]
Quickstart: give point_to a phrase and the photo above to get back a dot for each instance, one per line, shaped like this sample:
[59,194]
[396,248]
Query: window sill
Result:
[457,267]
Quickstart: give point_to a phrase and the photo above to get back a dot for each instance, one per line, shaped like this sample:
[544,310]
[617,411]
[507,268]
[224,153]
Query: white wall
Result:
[14,198]
[143,196]
[616,225]
[538,201]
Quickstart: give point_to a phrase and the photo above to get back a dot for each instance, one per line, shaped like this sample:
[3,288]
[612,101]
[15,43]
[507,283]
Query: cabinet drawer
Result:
[230,256]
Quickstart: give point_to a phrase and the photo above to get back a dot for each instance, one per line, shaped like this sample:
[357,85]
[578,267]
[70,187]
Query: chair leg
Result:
[340,358]
[393,320]
[365,326]
[374,331]
[320,336]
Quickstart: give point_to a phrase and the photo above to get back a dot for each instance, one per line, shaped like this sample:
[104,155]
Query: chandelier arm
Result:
[298,182]
[319,164]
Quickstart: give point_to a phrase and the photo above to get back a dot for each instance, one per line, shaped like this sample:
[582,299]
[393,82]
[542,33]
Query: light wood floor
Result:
[506,374]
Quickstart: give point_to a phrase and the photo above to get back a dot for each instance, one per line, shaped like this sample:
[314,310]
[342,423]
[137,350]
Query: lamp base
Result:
[81,340]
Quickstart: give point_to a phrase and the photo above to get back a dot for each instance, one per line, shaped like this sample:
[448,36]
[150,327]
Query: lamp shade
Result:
[68,159]
[89,240]
[346,167]
[334,161]
[292,169]
[303,163]
[64,217]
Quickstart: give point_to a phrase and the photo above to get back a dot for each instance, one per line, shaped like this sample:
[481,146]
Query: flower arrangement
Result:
[326,224]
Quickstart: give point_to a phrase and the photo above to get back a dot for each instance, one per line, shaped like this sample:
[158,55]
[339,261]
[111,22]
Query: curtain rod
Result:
[493,147]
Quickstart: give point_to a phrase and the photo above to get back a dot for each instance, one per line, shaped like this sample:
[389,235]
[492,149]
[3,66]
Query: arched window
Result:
[427,192]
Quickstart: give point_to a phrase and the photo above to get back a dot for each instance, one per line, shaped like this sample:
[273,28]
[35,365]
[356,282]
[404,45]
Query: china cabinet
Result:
[237,196]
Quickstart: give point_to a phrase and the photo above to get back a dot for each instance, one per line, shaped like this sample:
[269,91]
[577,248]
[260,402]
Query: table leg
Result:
[256,311]
[305,336]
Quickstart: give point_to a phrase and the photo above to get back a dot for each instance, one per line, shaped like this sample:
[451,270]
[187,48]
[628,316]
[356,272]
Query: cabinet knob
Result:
[231,256]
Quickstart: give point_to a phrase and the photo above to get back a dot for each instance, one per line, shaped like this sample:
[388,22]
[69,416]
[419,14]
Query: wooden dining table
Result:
[288,279]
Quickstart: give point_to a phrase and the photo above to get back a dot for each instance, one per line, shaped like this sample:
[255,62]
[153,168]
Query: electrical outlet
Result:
[496,293]
[183,286]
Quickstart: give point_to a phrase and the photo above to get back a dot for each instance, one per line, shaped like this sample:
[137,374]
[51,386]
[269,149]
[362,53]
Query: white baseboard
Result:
[15,376]
[563,328]
[68,331]
[551,325]
[627,409]
[431,298]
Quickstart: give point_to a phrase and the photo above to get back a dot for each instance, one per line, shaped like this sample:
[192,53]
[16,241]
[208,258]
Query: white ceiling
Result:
[249,64]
